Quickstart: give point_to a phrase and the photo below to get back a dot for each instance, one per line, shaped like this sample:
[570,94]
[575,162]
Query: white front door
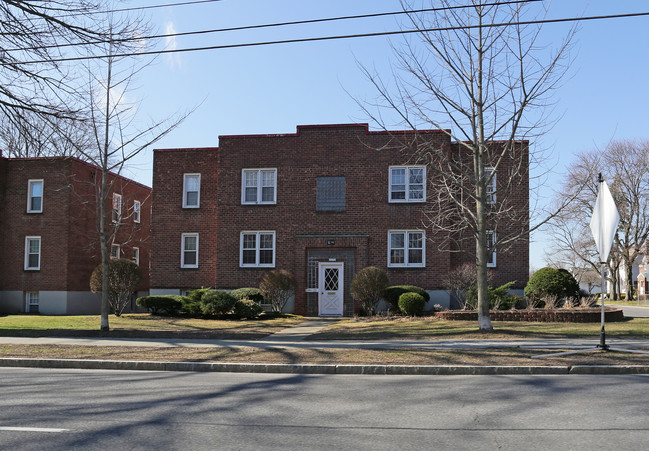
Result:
[330,288]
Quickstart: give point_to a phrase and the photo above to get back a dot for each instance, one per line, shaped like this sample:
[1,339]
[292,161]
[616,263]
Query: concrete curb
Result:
[274,368]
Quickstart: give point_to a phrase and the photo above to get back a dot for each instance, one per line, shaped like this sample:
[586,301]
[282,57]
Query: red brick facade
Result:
[67,227]
[304,236]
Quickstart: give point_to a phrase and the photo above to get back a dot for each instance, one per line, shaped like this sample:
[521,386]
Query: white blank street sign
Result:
[604,222]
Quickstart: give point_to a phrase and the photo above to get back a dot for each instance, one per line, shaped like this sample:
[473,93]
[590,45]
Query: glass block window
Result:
[407,183]
[257,249]
[406,248]
[259,186]
[35,196]
[330,194]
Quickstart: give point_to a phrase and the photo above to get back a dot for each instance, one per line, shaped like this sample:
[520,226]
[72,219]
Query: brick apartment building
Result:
[322,203]
[48,233]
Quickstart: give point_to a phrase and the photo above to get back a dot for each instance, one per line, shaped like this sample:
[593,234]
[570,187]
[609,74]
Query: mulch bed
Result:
[586,315]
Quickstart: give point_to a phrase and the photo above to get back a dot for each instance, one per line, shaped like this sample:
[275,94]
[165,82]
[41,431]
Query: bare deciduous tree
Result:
[626,165]
[36,86]
[476,68]
[117,134]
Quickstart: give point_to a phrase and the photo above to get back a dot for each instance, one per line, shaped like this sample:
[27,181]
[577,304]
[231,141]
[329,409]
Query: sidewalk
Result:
[294,338]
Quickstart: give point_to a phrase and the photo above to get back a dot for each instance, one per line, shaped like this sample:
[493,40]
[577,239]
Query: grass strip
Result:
[482,357]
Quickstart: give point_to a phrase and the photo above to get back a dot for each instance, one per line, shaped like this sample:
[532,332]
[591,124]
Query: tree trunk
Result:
[629,280]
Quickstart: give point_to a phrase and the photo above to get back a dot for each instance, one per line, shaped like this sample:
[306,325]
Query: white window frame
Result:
[182,250]
[136,255]
[30,183]
[112,251]
[28,239]
[257,248]
[137,208]
[198,197]
[116,211]
[259,186]
[30,296]
[490,188]
[407,199]
[493,239]
[406,249]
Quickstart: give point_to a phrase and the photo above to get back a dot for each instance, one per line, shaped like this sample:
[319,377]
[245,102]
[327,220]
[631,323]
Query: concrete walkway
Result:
[294,338]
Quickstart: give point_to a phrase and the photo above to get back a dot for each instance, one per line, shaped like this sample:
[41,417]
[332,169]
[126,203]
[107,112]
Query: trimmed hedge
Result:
[248,293]
[246,309]
[192,305]
[411,304]
[217,303]
[392,294]
[168,304]
[552,282]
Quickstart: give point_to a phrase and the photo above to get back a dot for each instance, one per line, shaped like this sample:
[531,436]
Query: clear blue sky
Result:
[272,89]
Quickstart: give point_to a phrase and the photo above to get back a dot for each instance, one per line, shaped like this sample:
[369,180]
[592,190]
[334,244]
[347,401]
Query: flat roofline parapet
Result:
[362,128]
[79,161]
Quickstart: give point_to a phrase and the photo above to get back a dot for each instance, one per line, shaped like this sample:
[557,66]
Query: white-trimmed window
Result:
[137,206]
[189,250]
[32,253]
[491,242]
[257,249]
[406,248]
[117,207]
[407,183]
[259,186]
[35,196]
[114,251]
[136,255]
[191,190]
[31,301]
[491,186]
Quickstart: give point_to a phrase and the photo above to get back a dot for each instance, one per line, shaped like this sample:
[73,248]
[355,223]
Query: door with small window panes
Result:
[331,288]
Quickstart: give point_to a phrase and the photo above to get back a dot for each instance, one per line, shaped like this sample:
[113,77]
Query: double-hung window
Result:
[406,248]
[259,186]
[114,251]
[407,183]
[191,190]
[35,196]
[189,250]
[491,242]
[136,255]
[491,185]
[117,207]
[31,301]
[32,253]
[257,249]
[136,211]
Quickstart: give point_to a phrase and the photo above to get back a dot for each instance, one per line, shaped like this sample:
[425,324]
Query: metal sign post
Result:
[603,225]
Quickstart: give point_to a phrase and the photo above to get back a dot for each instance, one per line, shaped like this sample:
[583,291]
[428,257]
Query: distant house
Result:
[322,203]
[49,243]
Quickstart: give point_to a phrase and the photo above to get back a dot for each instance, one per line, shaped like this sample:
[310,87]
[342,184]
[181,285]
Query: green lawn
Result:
[142,325]
[434,328]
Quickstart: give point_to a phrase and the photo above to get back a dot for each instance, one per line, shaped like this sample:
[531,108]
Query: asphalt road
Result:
[81,409]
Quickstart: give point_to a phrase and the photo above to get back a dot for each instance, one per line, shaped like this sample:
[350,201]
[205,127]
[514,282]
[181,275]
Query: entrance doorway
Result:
[331,288]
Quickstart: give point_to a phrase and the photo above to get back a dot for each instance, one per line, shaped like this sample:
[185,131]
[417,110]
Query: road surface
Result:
[81,409]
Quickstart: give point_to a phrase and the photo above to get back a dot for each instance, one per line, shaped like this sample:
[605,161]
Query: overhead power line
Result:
[139,8]
[330,38]
[278,24]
